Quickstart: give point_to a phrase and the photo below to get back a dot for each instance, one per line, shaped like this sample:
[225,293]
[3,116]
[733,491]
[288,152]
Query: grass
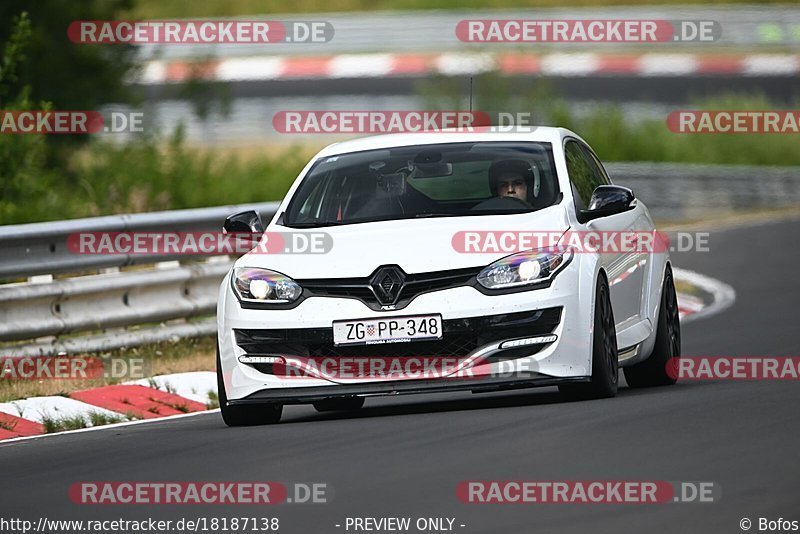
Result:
[164,358]
[164,174]
[212,8]
[146,175]
[6,424]
[179,406]
[685,288]
[59,424]
[213,400]
[99,419]
[614,136]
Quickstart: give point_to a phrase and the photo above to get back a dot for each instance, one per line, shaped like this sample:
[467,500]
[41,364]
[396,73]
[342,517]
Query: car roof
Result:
[523,133]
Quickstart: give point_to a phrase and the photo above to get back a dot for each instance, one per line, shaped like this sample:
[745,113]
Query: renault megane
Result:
[428,267]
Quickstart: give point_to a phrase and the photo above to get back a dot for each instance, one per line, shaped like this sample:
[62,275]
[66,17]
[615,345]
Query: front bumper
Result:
[305,395]
[474,327]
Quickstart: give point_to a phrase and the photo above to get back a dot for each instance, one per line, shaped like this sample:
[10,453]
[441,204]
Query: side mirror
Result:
[608,200]
[244,222]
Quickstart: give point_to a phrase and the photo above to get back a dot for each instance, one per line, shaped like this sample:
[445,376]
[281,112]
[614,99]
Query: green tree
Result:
[24,179]
[70,75]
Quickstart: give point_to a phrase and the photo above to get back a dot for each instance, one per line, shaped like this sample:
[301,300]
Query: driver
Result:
[511,178]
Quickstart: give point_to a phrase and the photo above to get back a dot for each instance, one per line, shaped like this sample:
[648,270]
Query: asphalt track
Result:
[404,456]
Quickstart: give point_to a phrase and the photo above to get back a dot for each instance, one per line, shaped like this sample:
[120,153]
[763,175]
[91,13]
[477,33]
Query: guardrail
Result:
[690,191]
[92,312]
[54,309]
[108,300]
[41,248]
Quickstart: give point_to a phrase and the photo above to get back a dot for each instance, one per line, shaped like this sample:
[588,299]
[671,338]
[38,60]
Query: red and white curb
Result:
[184,394]
[690,307]
[257,68]
[153,398]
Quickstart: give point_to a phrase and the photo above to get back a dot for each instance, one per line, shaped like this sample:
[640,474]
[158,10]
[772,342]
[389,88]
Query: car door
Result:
[644,230]
[623,267]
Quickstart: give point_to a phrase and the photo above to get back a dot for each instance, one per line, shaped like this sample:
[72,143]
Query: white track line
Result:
[724,295]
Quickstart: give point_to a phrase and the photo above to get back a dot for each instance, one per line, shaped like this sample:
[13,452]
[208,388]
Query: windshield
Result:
[443,180]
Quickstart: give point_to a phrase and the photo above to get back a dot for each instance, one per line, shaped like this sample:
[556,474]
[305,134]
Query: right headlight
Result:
[252,284]
[525,268]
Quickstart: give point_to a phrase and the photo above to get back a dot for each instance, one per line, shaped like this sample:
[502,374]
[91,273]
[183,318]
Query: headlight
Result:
[526,268]
[260,285]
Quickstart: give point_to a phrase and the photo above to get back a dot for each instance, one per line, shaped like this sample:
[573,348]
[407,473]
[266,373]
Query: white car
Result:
[419,294]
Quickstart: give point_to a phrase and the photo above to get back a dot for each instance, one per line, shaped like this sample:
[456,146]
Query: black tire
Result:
[339,404]
[245,415]
[605,357]
[654,370]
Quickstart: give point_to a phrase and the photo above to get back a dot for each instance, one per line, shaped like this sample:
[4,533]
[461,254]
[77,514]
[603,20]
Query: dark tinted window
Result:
[597,167]
[584,173]
[580,174]
[441,180]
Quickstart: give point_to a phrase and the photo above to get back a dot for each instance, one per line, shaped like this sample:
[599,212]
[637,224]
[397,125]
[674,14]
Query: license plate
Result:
[388,330]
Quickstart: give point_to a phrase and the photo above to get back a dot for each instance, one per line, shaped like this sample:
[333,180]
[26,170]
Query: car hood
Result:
[416,245]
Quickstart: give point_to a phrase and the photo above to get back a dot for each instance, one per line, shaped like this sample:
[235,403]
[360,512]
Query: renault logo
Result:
[386,283]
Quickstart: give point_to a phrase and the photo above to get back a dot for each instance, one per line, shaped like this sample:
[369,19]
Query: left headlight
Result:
[261,285]
[525,268]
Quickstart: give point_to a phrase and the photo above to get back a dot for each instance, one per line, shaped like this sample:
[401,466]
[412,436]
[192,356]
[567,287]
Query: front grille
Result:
[413,286]
[459,338]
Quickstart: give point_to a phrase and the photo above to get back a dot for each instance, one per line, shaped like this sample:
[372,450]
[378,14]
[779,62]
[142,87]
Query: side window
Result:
[318,199]
[583,174]
[597,167]
[311,200]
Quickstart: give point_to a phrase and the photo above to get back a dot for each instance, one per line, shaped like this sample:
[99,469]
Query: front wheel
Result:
[654,371]
[605,358]
[244,415]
